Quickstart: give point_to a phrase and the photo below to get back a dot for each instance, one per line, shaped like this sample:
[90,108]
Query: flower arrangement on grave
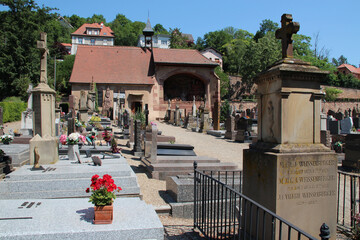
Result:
[78,123]
[153,124]
[73,138]
[107,135]
[6,139]
[103,195]
[103,190]
[94,119]
[114,147]
[62,139]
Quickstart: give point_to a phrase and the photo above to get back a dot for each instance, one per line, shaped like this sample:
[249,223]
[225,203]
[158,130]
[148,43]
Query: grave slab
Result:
[67,179]
[72,219]
[18,152]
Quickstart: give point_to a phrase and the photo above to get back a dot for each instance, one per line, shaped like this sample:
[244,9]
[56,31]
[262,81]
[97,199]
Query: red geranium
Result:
[102,190]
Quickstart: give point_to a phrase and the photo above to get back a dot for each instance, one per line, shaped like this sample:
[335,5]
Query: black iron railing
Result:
[223,212]
[348,199]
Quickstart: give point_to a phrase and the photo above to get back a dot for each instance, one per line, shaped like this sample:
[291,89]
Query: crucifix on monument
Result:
[44,51]
[288,28]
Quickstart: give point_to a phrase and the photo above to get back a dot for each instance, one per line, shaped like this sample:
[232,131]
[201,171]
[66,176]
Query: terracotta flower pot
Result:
[103,214]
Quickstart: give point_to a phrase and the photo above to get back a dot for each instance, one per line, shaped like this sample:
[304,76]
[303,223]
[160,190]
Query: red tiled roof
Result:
[107,64]
[104,31]
[66,44]
[350,67]
[180,56]
[127,65]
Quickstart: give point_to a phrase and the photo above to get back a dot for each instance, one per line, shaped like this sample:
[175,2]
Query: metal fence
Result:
[348,199]
[223,212]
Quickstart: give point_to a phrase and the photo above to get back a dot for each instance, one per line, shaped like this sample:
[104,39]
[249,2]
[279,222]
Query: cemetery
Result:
[81,174]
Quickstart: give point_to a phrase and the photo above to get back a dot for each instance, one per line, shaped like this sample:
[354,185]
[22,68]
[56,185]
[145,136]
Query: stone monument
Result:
[27,116]
[83,107]
[44,113]
[288,170]
[107,102]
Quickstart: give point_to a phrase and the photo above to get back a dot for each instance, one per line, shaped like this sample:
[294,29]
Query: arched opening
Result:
[183,87]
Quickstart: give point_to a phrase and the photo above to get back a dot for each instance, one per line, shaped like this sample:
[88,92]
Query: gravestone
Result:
[71,125]
[83,107]
[72,103]
[44,113]
[204,126]
[146,114]
[91,98]
[177,116]
[131,133]
[137,144]
[230,128]
[346,125]
[334,127]
[356,121]
[108,101]
[27,116]
[172,117]
[288,170]
[1,121]
[352,152]
[339,116]
[216,118]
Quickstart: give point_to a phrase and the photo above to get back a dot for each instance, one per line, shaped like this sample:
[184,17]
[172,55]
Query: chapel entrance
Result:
[183,87]
[136,107]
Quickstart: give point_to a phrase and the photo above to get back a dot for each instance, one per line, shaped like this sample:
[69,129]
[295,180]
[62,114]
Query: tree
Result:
[265,26]
[339,61]
[19,57]
[217,39]
[177,40]
[75,21]
[96,18]
[126,32]
[159,29]
[331,94]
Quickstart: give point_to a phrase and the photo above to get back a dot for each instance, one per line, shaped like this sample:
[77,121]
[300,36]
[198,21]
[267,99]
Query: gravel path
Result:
[207,145]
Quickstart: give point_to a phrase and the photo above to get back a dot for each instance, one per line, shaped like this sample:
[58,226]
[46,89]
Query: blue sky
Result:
[336,22]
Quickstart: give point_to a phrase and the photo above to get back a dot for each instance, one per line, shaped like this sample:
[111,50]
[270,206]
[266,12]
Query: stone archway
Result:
[184,87]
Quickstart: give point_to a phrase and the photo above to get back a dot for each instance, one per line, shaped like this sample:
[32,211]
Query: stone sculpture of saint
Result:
[107,102]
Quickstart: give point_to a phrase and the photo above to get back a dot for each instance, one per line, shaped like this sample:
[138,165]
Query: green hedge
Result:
[12,110]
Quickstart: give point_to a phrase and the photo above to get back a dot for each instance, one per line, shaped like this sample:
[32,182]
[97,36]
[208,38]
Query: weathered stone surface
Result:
[352,152]
[59,216]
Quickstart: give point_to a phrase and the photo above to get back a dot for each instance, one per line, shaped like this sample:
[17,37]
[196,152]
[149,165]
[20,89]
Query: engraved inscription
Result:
[306,182]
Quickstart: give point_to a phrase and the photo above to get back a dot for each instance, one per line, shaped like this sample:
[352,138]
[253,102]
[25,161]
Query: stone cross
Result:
[41,45]
[288,28]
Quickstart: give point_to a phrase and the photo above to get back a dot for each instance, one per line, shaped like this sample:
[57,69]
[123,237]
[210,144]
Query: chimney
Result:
[101,24]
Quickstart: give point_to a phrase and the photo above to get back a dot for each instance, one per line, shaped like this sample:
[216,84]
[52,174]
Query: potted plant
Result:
[103,197]
[6,139]
[114,147]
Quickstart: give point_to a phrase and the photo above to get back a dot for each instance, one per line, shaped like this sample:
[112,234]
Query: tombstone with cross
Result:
[288,28]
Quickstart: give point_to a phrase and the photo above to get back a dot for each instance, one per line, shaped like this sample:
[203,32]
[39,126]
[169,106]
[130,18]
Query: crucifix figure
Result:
[288,28]
[41,45]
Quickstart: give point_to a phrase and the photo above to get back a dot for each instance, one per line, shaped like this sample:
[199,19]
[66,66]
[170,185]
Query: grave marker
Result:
[288,170]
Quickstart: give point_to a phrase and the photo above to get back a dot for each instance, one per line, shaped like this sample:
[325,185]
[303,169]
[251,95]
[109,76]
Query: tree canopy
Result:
[244,54]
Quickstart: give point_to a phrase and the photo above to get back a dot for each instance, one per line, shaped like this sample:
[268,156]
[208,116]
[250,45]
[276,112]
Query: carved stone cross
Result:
[288,28]
[42,46]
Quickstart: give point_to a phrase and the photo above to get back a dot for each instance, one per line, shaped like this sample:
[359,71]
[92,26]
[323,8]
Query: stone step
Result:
[175,146]
[72,219]
[163,170]
[186,159]
[189,166]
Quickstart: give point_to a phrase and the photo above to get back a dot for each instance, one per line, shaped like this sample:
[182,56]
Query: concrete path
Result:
[207,145]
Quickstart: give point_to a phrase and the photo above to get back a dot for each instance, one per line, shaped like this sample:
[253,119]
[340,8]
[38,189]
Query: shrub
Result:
[12,110]
[331,94]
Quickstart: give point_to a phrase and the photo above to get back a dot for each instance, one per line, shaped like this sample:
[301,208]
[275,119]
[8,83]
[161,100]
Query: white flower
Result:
[74,136]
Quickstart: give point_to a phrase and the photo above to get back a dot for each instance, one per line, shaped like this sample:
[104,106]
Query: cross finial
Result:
[288,28]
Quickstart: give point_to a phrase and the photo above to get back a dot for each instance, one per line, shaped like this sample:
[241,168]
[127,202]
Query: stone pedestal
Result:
[177,117]
[47,147]
[205,121]
[44,110]
[298,185]
[84,116]
[288,170]
[137,138]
